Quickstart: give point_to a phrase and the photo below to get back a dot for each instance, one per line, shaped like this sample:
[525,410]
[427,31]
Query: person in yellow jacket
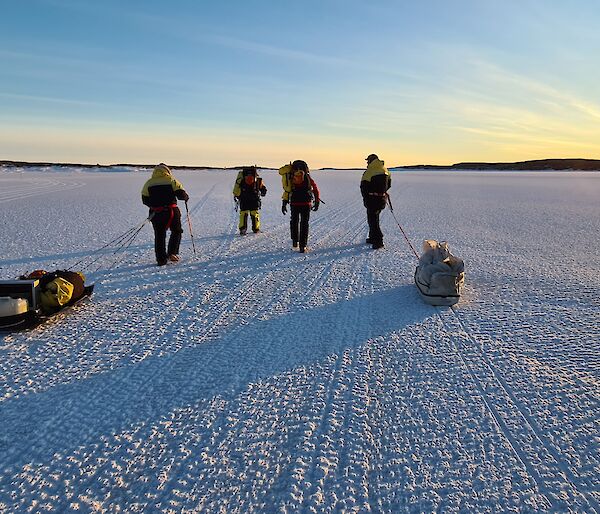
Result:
[247,191]
[160,193]
[374,184]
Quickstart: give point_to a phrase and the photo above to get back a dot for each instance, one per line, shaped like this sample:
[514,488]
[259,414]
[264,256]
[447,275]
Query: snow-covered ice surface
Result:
[257,379]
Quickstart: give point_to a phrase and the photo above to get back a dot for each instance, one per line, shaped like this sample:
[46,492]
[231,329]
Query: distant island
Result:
[541,164]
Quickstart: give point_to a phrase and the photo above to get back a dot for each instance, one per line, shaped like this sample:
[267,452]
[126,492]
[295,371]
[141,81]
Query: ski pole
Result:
[190,226]
[400,226]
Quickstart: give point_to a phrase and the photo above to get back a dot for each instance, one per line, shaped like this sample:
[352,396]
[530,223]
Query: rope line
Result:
[400,226]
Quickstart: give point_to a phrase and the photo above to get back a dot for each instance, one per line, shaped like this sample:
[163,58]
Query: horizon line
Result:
[187,166]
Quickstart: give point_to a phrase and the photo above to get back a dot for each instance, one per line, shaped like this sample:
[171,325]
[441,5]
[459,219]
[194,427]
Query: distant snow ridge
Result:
[22,187]
[57,168]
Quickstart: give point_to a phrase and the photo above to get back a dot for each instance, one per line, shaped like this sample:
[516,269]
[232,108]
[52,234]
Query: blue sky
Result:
[330,81]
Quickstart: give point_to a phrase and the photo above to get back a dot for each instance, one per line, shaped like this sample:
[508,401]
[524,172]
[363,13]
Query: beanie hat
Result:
[300,165]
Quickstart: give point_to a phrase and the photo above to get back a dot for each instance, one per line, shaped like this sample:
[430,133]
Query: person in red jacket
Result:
[302,194]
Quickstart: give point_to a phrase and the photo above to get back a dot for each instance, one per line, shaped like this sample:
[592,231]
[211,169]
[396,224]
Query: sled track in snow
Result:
[313,282]
[317,447]
[35,187]
[544,464]
[200,203]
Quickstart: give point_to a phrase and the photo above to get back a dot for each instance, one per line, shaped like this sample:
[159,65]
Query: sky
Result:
[327,81]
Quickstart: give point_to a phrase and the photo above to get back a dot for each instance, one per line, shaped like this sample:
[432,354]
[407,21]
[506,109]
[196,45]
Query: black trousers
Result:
[375,234]
[300,215]
[159,223]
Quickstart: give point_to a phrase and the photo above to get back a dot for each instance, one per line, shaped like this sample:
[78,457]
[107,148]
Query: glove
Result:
[284,205]
[315,206]
[263,191]
[186,197]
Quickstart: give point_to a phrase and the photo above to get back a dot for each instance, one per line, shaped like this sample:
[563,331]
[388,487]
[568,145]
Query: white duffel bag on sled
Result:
[440,276]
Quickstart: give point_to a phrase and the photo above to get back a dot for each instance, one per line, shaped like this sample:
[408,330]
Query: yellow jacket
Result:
[162,188]
[375,167]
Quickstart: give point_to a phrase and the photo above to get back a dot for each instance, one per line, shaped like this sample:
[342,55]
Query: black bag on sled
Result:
[21,303]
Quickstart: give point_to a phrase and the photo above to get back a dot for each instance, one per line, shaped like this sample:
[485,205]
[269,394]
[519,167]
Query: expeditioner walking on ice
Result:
[247,190]
[301,193]
[375,182]
[160,193]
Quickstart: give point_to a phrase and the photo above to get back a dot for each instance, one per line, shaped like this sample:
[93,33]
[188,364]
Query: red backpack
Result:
[299,180]
[250,179]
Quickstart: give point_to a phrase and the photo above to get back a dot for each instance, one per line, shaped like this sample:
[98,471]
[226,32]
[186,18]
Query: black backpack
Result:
[250,180]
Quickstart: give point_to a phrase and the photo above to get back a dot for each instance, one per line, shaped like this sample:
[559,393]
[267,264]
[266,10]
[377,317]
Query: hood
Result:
[162,170]
[376,164]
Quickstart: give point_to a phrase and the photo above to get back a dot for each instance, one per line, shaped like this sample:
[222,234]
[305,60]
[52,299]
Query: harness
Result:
[163,208]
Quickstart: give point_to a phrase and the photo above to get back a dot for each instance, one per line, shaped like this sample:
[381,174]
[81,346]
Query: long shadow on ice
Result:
[34,427]
[70,258]
[228,268]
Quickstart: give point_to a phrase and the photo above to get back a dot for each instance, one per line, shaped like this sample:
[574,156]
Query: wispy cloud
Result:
[278,51]
[541,91]
[49,99]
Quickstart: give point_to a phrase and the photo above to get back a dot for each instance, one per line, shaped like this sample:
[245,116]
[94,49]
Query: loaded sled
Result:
[440,276]
[20,304]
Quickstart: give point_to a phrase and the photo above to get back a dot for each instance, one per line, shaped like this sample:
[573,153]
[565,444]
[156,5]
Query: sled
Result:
[440,276]
[20,306]
[437,298]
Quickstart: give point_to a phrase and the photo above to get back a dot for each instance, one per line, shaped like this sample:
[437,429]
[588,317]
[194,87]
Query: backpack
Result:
[250,179]
[300,181]
[301,190]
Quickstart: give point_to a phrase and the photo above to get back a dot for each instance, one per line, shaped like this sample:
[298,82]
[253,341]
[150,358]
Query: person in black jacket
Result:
[161,193]
[375,182]
[247,191]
